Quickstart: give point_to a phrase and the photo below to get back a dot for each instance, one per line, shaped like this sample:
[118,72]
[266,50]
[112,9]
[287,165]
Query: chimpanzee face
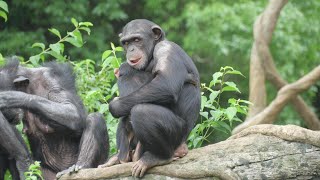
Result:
[138,39]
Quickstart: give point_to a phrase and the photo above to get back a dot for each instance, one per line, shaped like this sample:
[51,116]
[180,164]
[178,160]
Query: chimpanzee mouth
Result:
[135,61]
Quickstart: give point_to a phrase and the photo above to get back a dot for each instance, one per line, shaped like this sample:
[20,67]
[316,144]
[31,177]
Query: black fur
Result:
[14,155]
[162,110]
[60,132]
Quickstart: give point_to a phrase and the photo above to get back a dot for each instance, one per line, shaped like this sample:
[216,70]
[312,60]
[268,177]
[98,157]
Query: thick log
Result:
[259,152]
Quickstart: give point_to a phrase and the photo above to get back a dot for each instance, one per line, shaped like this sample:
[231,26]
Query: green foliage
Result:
[212,114]
[24,28]
[34,172]
[57,49]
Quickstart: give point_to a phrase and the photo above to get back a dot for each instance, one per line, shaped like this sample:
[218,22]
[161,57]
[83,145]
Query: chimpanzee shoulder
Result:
[63,72]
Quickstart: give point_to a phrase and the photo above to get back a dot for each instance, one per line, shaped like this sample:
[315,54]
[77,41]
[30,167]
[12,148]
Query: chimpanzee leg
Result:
[94,145]
[13,170]
[3,165]
[12,143]
[124,139]
[124,134]
[159,131]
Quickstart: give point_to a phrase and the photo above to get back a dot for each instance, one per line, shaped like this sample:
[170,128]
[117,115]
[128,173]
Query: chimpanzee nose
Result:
[131,49]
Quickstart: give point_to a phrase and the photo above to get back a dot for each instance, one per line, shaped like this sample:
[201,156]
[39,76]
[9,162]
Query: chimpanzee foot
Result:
[112,161]
[22,166]
[73,169]
[146,162]
[181,151]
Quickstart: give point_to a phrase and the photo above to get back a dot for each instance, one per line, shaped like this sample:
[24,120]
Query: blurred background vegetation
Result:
[214,33]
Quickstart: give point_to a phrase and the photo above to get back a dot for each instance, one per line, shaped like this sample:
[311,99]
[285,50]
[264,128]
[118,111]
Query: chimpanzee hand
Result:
[8,98]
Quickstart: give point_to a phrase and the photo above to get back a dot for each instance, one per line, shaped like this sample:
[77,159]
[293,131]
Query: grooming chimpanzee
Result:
[14,155]
[164,110]
[60,133]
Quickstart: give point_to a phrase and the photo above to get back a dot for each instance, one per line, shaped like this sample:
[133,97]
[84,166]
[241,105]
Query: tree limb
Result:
[260,152]
[284,95]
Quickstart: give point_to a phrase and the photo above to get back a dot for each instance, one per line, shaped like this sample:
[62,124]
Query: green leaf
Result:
[56,55]
[215,78]
[74,42]
[196,141]
[225,126]
[231,112]
[106,54]
[4,6]
[112,46]
[204,114]
[216,114]
[86,29]
[74,22]
[34,59]
[4,15]
[87,24]
[231,86]
[232,101]
[235,72]
[119,49]
[56,47]
[203,102]
[246,102]
[55,31]
[76,34]
[213,95]
[114,62]
[40,45]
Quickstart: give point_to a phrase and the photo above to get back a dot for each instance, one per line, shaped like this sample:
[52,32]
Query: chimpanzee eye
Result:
[126,43]
[136,39]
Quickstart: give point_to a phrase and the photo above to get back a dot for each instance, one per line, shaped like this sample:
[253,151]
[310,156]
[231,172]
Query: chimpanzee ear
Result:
[21,80]
[120,35]
[158,33]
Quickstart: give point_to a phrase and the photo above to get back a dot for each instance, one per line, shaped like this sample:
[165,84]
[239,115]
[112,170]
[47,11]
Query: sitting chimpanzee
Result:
[130,80]
[164,110]
[14,155]
[60,133]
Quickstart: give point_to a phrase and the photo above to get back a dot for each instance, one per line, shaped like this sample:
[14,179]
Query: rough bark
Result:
[259,152]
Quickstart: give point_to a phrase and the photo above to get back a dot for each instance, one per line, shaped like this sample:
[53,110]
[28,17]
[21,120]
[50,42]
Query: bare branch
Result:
[284,96]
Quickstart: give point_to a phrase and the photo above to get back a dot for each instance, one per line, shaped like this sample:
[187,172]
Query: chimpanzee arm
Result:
[60,113]
[170,75]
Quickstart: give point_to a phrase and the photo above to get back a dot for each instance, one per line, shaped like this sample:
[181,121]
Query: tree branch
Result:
[284,95]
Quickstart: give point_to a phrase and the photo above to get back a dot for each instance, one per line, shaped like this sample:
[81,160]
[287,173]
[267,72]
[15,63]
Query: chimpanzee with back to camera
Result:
[164,110]
[14,155]
[61,134]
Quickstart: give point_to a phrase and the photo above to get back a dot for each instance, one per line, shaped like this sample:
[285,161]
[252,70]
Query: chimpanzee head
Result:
[138,39]
[8,73]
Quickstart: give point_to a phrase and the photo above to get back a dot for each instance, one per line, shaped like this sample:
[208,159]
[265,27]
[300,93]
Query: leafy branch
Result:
[57,49]
[212,114]
[34,172]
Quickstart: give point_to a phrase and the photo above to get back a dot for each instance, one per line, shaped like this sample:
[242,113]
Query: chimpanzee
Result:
[61,135]
[164,110]
[14,155]
[130,80]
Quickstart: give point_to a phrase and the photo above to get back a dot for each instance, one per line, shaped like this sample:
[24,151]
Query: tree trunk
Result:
[259,152]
